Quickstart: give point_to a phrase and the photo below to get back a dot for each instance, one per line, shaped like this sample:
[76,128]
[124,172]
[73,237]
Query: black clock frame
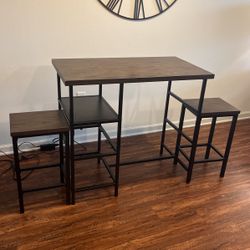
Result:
[133,18]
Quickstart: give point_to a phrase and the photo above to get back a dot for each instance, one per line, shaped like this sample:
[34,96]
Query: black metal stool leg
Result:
[61,155]
[118,142]
[210,138]
[193,149]
[18,174]
[229,144]
[178,140]
[67,168]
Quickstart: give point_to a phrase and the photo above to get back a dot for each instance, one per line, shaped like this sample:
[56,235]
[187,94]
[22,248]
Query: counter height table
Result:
[98,71]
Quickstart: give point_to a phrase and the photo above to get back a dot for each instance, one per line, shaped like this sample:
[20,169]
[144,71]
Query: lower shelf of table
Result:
[89,110]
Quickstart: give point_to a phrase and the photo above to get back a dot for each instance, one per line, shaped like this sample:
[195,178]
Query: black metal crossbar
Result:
[92,187]
[107,166]
[92,155]
[177,129]
[109,140]
[42,188]
[40,167]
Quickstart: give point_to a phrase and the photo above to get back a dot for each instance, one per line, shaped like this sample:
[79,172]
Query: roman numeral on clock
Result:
[139,9]
[161,3]
[113,3]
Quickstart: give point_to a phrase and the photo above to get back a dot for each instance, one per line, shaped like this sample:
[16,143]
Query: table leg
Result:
[118,140]
[99,130]
[165,117]
[59,95]
[18,174]
[178,140]
[196,131]
[72,149]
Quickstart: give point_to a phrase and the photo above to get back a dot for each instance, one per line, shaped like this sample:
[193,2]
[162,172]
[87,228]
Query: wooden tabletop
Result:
[125,70]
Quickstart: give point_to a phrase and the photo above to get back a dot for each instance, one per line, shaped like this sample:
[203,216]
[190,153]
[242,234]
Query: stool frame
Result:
[64,176]
[194,142]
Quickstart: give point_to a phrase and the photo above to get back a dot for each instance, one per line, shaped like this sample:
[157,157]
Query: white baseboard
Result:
[91,136]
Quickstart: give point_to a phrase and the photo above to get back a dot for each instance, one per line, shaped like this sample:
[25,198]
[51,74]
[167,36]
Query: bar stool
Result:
[212,108]
[41,123]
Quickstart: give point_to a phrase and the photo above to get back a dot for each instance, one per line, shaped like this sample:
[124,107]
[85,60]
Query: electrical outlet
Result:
[81,93]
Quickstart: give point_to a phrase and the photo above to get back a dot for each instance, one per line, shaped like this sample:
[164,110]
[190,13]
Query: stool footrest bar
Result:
[182,164]
[208,160]
[184,154]
[168,150]
[189,146]
[204,145]
[217,151]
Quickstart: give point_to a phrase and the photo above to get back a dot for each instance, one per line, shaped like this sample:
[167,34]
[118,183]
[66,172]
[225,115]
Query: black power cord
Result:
[8,160]
[8,169]
[28,156]
[24,156]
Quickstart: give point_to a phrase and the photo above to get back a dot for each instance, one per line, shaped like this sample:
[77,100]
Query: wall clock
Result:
[137,9]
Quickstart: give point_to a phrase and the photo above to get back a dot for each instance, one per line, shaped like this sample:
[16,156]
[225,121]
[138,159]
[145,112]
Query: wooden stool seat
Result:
[211,107]
[41,123]
[37,123]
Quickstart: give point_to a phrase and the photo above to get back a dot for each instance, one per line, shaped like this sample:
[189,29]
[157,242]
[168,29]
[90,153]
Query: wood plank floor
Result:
[155,209]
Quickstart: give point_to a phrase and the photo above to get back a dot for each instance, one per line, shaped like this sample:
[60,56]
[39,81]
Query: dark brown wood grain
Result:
[89,110]
[116,70]
[155,209]
[212,107]
[37,123]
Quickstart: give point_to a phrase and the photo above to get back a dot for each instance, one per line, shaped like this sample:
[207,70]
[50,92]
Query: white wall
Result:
[211,34]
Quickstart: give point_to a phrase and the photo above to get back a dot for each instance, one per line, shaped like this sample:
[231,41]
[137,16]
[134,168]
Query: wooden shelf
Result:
[90,110]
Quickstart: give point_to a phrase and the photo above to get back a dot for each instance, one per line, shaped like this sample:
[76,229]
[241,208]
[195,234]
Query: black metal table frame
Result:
[115,178]
[120,109]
